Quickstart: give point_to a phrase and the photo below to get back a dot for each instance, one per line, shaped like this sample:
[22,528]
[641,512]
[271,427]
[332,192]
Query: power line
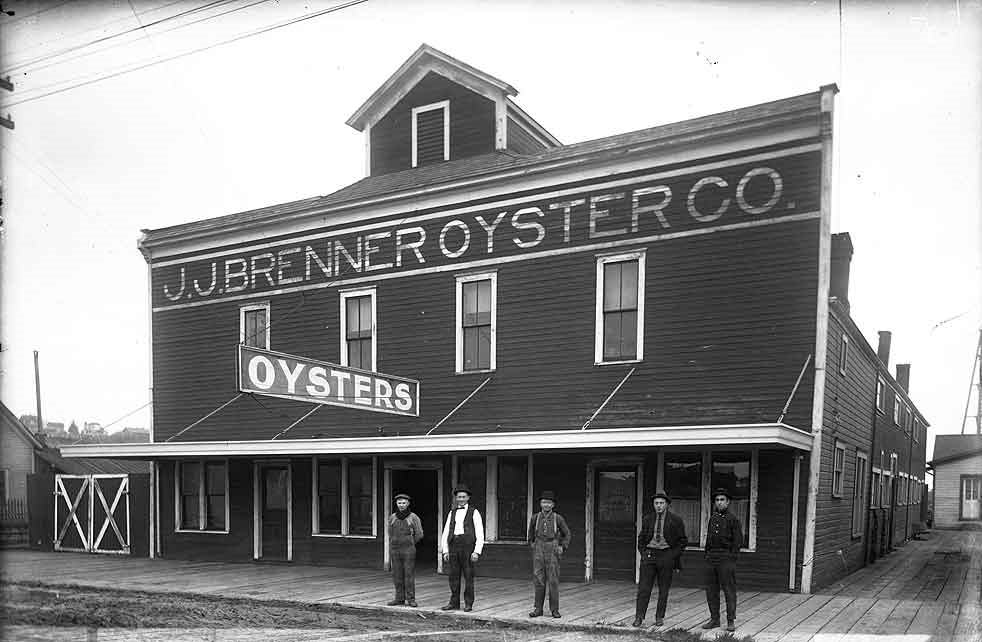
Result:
[152,63]
[68,50]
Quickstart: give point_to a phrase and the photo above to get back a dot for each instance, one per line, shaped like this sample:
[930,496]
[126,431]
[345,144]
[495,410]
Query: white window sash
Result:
[598,343]
[350,294]
[445,106]
[459,319]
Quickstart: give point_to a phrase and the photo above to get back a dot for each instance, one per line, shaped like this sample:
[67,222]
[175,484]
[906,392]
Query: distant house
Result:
[18,459]
[957,465]
[55,429]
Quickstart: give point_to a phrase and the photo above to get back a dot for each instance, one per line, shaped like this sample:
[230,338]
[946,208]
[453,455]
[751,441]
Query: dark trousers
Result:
[461,564]
[545,573]
[404,572]
[656,565]
[721,574]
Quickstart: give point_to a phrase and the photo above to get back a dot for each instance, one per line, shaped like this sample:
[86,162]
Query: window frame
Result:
[490,515]
[598,339]
[345,508]
[202,497]
[876,487]
[344,295]
[896,408]
[843,353]
[416,111]
[461,279]
[860,489]
[252,307]
[881,395]
[838,448]
[751,528]
[5,478]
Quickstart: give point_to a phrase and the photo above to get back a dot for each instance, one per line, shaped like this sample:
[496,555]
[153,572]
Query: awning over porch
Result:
[773,434]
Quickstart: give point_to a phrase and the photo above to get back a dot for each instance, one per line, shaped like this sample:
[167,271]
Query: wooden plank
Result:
[969,624]
[751,623]
[900,618]
[808,627]
[926,620]
[780,626]
[839,625]
[874,617]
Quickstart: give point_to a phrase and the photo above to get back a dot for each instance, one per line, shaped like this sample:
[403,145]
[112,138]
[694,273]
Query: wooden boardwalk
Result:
[926,590]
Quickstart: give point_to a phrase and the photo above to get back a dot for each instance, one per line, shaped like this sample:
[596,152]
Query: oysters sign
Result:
[275,374]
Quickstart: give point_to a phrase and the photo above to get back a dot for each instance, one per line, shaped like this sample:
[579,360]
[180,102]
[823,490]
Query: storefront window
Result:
[683,483]
[512,498]
[329,496]
[732,472]
[360,497]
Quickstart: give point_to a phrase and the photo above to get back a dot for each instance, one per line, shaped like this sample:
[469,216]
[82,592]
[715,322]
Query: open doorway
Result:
[423,485]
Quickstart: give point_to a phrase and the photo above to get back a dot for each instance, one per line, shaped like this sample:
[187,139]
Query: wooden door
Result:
[971,489]
[274,507]
[615,523]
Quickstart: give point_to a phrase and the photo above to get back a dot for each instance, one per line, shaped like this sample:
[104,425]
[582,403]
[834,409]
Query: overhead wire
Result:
[152,63]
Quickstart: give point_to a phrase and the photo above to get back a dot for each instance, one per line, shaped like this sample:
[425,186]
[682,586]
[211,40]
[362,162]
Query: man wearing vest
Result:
[660,542]
[724,538]
[405,531]
[461,546]
[549,538]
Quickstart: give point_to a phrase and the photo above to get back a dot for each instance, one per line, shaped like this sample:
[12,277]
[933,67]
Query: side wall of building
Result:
[948,490]
[16,457]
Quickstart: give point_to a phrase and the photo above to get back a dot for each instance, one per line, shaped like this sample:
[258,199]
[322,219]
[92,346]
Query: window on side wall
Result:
[254,325]
[513,497]
[476,320]
[201,496]
[859,493]
[344,497]
[880,395]
[732,471]
[683,483]
[896,409]
[431,133]
[838,468]
[875,487]
[843,354]
[620,308]
[358,329]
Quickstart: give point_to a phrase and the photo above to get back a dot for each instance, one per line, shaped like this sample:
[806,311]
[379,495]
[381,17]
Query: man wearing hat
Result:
[724,537]
[660,542]
[461,545]
[549,538]
[405,531]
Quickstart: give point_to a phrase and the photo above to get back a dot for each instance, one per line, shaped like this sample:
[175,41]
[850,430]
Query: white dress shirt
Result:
[457,528]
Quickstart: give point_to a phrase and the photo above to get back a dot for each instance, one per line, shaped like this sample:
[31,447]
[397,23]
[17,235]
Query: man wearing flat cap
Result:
[724,537]
[660,542]
[405,531]
[548,536]
[461,545]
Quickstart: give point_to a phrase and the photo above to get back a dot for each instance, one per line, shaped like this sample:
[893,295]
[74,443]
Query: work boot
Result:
[556,614]
[468,607]
[394,603]
[412,603]
[638,621]
[659,621]
[730,626]
[449,607]
[712,624]
[535,613]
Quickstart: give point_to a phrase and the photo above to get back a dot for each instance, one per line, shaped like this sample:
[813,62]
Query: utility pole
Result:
[977,385]
[37,391]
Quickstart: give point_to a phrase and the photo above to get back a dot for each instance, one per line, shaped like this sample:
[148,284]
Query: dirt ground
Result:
[35,612]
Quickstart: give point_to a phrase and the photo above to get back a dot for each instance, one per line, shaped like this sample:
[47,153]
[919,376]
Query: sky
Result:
[150,113]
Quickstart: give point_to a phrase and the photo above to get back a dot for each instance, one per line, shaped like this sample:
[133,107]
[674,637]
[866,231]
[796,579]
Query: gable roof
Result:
[953,447]
[10,420]
[424,60]
[91,465]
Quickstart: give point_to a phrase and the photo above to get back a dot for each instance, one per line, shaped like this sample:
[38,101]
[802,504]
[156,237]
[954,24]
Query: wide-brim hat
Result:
[661,495]
[721,491]
[461,488]
[403,496]
[548,494]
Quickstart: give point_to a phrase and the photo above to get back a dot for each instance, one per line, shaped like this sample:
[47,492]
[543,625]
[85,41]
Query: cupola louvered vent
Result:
[431,142]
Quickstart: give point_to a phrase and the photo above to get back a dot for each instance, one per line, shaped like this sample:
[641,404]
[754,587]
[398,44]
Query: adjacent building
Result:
[957,466]
[651,310]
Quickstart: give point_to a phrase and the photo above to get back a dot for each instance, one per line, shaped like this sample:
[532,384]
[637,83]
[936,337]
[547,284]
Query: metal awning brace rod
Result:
[213,412]
[291,426]
[607,400]
[797,383]
[466,399]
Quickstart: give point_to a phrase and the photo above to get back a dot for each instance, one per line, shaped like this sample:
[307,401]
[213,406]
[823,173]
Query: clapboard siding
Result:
[471,124]
[520,141]
[848,421]
[947,489]
[726,334]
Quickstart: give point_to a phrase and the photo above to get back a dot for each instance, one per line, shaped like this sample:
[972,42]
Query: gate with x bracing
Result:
[92,513]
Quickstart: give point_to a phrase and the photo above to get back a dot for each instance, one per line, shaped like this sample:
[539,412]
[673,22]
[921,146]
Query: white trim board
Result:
[709,435]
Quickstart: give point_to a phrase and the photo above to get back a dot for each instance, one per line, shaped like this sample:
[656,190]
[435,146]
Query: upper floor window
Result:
[843,354]
[358,326]
[880,395]
[896,409]
[859,493]
[620,308]
[254,325]
[838,468]
[477,296]
[431,133]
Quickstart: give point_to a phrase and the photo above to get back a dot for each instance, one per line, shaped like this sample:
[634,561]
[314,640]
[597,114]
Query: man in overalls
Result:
[549,536]
[405,531]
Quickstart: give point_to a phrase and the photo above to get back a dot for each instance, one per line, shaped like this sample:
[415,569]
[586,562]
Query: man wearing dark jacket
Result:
[548,535]
[724,537]
[660,542]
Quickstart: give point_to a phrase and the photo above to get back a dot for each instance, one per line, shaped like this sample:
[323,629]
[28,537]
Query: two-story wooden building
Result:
[602,319]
